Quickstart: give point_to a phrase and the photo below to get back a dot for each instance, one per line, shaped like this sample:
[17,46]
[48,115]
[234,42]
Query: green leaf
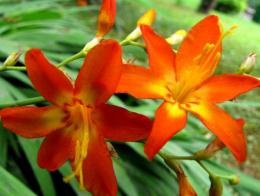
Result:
[43,177]
[9,185]
[124,181]
[3,146]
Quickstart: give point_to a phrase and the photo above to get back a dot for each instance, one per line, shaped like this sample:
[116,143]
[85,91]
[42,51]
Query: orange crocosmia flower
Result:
[184,81]
[106,18]
[78,121]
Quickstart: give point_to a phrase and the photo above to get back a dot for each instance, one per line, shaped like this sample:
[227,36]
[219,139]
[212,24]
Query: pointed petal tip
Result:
[149,153]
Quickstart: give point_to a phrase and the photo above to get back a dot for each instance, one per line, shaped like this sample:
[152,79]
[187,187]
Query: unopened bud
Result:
[214,146]
[106,17]
[248,64]
[185,187]
[12,59]
[234,180]
[177,37]
[216,187]
[147,19]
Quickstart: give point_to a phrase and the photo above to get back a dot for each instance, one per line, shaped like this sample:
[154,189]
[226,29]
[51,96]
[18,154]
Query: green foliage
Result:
[231,6]
[9,185]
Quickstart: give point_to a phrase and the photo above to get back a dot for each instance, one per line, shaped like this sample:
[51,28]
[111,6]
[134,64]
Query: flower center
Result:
[81,117]
[177,92]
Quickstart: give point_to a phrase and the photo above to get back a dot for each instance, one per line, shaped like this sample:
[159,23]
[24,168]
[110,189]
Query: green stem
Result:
[182,157]
[124,42]
[72,58]
[206,169]
[28,101]
[133,43]
[17,68]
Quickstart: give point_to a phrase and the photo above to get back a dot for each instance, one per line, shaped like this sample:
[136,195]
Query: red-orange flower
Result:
[185,82]
[78,121]
[106,18]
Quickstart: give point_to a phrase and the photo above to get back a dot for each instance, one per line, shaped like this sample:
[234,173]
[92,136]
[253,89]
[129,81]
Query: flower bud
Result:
[216,187]
[234,180]
[248,64]
[12,59]
[185,187]
[177,37]
[210,150]
[147,19]
[214,146]
[106,18]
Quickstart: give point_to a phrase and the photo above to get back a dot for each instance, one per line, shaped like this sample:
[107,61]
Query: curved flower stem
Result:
[74,57]
[172,161]
[207,170]
[28,101]
[171,158]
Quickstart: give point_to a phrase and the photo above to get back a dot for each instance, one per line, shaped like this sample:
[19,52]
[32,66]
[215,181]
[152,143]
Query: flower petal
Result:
[106,18]
[98,78]
[225,87]
[169,120]
[228,130]
[99,177]
[161,55]
[140,83]
[194,60]
[48,79]
[57,148]
[118,124]
[32,122]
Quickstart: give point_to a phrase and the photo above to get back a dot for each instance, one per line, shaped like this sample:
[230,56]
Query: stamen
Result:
[214,50]
[81,147]
[204,52]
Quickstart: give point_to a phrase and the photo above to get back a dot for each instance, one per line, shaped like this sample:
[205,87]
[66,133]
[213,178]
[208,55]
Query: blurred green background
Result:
[61,28]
